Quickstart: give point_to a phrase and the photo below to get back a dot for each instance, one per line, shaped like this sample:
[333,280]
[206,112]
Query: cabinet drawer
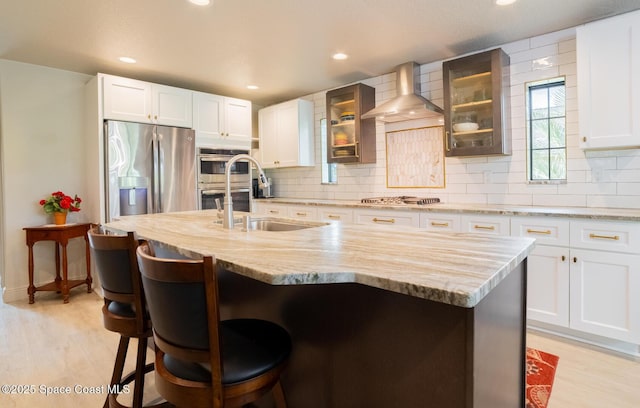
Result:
[440,222]
[485,224]
[388,218]
[336,214]
[272,209]
[545,230]
[606,236]
[302,212]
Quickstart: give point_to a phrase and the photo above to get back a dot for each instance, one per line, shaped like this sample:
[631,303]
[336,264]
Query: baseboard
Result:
[621,348]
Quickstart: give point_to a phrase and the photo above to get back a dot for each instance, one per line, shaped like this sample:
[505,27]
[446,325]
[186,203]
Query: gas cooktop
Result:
[397,200]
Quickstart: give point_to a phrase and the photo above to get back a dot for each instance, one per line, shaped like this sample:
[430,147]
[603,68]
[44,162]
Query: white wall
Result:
[594,179]
[42,149]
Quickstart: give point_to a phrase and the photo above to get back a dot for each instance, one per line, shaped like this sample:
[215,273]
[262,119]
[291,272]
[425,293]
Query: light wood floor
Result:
[50,344]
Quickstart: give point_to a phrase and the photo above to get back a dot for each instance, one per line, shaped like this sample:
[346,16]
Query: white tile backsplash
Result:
[594,178]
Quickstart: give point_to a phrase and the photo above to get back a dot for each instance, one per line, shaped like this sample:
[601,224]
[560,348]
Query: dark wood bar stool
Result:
[124,309]
[200,360]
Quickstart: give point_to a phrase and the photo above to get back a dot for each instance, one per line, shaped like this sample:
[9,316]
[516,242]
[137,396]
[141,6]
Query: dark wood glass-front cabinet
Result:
[476,105]
[349,138]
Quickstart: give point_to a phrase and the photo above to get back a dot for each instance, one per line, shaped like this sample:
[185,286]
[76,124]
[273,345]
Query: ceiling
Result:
[282,46]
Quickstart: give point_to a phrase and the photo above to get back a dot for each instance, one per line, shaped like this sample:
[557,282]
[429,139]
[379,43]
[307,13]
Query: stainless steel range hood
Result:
[408,104]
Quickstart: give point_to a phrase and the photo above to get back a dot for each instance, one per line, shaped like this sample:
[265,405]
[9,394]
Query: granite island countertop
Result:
[452,268]
[594,213]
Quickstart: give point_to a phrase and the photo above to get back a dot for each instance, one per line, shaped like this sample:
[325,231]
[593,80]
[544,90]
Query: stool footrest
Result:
[131,376]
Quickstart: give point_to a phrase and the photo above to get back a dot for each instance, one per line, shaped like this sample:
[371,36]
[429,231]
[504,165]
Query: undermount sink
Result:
[279,224]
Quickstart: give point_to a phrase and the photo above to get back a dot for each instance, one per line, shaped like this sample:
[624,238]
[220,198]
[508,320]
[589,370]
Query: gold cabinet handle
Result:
[563,258]
[532,231]
[446,141]
[612,237]
[149,116]
[439,224]
[155,117]
[584,139]
[333,217]
[483,227]
[301,214]
[274,211]
[391,221]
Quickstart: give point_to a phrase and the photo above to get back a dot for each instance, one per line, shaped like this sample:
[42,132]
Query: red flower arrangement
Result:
[60,202]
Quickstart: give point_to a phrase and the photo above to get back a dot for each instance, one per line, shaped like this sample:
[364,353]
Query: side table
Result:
[61,234]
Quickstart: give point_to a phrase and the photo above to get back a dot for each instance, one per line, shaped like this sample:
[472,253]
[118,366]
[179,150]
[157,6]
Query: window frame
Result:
[544,84]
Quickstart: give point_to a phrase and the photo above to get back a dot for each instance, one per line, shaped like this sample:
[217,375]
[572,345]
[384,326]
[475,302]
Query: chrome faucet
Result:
[227,221]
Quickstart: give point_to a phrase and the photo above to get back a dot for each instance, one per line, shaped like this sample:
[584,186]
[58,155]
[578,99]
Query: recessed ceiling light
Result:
[504,2]
[200,2]
[252,86]
[127,60]
[340,56]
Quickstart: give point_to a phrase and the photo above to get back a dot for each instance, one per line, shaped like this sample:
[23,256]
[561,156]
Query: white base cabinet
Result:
[605,294]
[387,217]
[440,221]
[344,215]
[274,210]
[583,276]
[485,224]
[547,268]
[302,212]
[548,285]
[605,279]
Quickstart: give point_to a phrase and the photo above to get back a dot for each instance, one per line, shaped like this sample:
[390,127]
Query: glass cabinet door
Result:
[477,104]
[350,139]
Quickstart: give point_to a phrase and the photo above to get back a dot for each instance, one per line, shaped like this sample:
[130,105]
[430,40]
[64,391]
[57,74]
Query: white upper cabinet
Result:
[126,99]
[143,102]
[608,57]
[221,121]
[171,106]
[286,134]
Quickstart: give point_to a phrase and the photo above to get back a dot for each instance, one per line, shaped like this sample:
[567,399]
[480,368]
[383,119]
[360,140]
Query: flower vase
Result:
[59,218]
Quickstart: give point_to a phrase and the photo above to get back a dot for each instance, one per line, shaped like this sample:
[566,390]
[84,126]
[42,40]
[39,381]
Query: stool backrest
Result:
[182,297]
[117,267]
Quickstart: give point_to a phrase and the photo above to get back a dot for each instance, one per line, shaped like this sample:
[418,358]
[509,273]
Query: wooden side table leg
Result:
[58,266]
[31,290]
[89,280]
[65,282]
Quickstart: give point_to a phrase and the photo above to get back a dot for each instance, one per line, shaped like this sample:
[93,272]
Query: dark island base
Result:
[357,346]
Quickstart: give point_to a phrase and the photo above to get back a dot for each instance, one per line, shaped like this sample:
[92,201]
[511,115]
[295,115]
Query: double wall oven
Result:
[212,164]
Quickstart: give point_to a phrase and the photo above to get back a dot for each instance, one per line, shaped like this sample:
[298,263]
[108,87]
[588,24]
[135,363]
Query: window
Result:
[546,131]
[329,170]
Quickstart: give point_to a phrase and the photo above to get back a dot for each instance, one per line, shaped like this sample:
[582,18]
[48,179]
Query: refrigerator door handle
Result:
[155,145]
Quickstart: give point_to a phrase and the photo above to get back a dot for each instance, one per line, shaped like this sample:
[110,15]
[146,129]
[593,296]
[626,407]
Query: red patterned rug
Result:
[541,369]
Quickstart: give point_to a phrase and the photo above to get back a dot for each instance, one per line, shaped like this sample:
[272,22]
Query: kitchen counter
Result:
[378,317]
[453,268]
[619,214]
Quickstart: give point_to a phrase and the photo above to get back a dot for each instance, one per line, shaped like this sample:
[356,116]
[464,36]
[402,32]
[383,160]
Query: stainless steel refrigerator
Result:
[149,169]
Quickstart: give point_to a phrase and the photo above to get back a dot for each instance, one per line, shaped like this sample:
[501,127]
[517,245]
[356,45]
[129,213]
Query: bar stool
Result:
[124,309]
[200,360]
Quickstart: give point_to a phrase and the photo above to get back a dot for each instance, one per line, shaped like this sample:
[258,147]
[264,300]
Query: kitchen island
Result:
[378,317]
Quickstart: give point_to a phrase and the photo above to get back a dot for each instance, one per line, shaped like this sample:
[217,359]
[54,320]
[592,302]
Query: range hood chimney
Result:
[408,104]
